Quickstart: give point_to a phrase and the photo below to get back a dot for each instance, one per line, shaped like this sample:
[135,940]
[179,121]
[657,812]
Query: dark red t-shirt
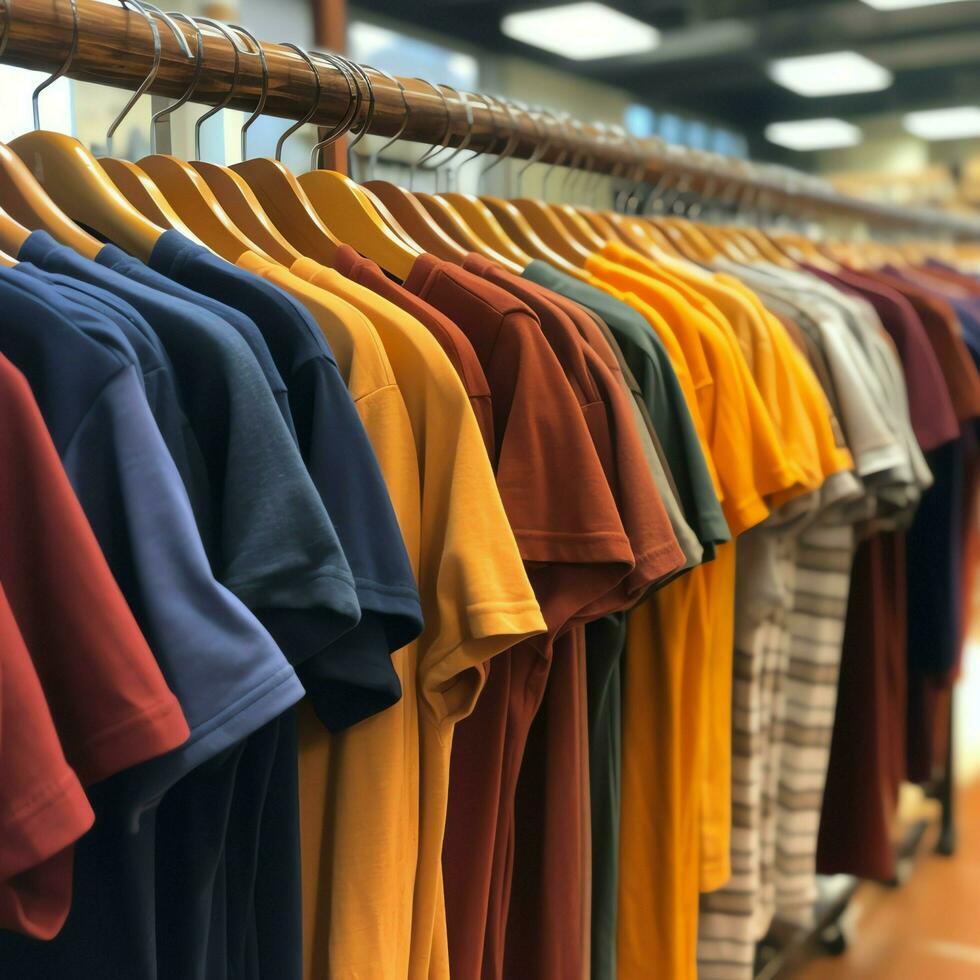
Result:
[110,703]
[43,809]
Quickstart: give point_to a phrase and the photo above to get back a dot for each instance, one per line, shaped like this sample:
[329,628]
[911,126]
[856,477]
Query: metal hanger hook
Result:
[237,52]
[347,68]
[435,148]
[515,137]
[487,102]
[263,94]
[73,48]
[373,158]
[311,112]
[562,157]
[541,147]
[167,111]
[464,143]
[148,81]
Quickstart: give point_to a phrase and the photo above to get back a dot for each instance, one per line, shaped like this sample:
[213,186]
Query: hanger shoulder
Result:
[197,206]
[141,192]
[243,207]
[389,219]
[54,182]
[550,229]
[457,228]
[520,229]
[483,221]
[355,220]
[577,226]
[417,221]
[12,234]
[286,204]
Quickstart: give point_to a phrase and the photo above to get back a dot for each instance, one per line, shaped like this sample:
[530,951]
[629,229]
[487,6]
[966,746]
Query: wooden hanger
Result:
[73,178]
[26,201]
[768,248]
[7,261]
[440,212]
[580,229]
[456,226]
[690,246]
[282,196]
[730,241]
[514,224]
[188,193]
[133,182]
[409,212]
[602,225]
[348,210]
[470,210]
[482,220]
[232,192]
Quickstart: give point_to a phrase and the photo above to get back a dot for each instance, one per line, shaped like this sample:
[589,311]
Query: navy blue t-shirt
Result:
[93,309]
[229,676]
[340,461]
[115,258]
[262,913]
[271,541]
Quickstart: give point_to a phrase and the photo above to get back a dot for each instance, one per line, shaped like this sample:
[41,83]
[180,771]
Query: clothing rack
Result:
[115,47]
[112,44]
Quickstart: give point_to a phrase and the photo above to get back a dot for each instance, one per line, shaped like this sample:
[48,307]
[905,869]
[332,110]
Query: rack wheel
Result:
[946,845]
[833,941]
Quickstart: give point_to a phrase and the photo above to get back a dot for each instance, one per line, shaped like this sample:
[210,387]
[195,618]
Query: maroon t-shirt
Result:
[933,418]
[862,787]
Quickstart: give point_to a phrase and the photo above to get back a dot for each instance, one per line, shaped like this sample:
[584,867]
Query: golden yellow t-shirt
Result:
[476,602]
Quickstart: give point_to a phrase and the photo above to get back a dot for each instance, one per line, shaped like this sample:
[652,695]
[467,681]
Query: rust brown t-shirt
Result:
[549,894]
[576,552]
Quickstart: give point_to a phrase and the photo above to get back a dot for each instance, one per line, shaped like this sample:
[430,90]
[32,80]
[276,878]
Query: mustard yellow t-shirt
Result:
[476,602]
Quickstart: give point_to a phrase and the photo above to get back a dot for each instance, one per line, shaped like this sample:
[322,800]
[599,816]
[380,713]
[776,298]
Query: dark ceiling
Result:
[712,56]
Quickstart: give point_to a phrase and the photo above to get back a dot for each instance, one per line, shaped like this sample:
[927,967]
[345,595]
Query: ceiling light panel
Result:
[956,123]
[813,134]
[906,4]
[834,73]
[581,31]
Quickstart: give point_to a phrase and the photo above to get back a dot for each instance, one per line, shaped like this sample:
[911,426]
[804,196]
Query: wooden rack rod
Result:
[115,47]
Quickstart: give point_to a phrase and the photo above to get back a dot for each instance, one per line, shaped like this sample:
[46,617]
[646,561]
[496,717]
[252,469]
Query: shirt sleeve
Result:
[573,542]
[43,809]
[355,678]
[227,673]
[111,705]
[483,600]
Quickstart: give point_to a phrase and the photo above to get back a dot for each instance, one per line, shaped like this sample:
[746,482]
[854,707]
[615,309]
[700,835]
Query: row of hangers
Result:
[49,180]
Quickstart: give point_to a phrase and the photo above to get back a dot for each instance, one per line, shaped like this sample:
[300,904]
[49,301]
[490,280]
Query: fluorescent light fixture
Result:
[581,31]
[905,4]
[813,134]
[835,73]
[961,122]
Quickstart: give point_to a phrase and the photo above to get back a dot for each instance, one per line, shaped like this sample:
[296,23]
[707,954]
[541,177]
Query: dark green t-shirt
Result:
[661,394]
[648,360]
